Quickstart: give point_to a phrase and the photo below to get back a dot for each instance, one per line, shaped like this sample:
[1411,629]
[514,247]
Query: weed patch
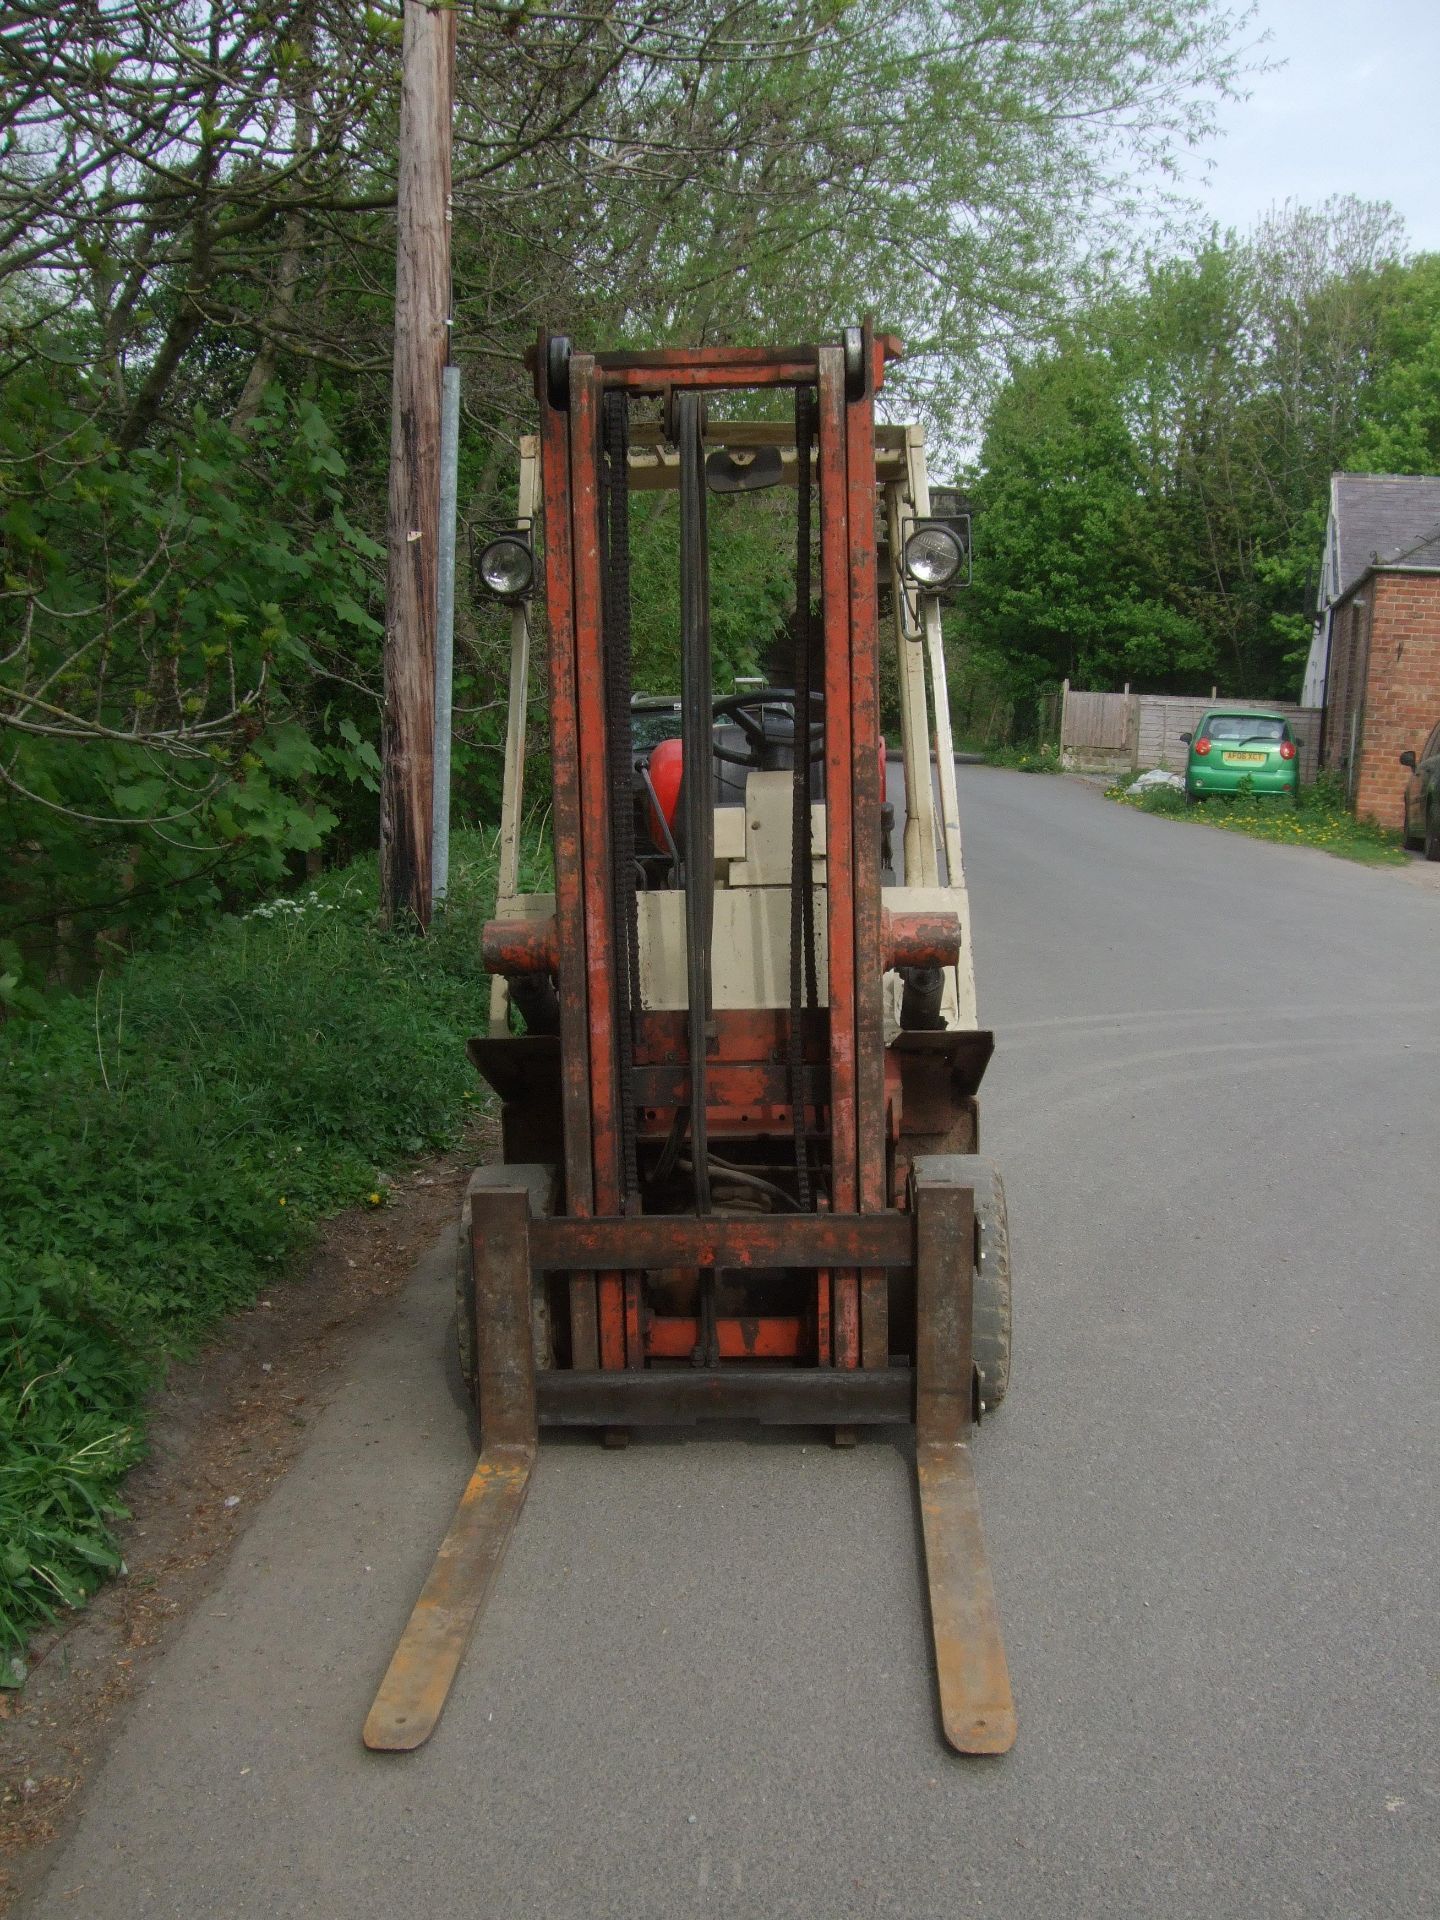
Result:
[1023,759]
[1320,819]
[170,1144]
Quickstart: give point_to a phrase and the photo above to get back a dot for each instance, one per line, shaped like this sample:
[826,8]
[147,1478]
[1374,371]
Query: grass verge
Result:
[1019,759]
[1320,819]
[170,1145]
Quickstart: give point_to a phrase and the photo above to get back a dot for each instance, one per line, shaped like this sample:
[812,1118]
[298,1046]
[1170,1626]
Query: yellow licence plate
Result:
[1244,759]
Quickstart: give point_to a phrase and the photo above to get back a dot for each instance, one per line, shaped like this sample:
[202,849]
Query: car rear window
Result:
[1243,726]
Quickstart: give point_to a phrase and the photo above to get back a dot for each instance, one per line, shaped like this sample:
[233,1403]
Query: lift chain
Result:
[618,672]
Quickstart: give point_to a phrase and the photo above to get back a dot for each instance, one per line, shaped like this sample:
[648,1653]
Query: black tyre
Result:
[992,1292]
[465,1301]
[1432,833]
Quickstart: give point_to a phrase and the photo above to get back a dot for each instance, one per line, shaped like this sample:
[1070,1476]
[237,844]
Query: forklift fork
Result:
[413,1693]
[976,1709]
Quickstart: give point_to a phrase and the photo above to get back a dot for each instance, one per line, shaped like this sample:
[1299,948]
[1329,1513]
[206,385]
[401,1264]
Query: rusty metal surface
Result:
[927,939]
[741,1337]
[758,1240]
[752,1033]
[839,827]
[413,1693]
[569,904]
[740,364]
[565,792]
[520,946]
[774,1395]
[595,856]
[730,1084]
[966,1056]
[977,1710]
[865,842]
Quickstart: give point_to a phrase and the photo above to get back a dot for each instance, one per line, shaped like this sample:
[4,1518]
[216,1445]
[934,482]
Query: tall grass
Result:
[1318,817]
[168,1145]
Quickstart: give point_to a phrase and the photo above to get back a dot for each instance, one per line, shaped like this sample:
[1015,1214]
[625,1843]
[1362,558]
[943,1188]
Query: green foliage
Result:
[752,585]
[1321,818]
[71,1381]
[1402,433]
[1041,759]
[1154,481]
[171,1141]
[1070,569]
[172,741]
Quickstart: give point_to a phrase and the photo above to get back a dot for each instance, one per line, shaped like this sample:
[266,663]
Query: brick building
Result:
[1375,661]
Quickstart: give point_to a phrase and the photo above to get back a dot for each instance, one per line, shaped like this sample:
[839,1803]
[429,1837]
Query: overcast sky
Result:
[1352,107]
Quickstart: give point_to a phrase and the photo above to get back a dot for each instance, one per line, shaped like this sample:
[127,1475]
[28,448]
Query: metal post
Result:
[445,632]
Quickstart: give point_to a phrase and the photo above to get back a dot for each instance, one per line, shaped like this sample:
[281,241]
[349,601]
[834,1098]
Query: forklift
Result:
[736,1049]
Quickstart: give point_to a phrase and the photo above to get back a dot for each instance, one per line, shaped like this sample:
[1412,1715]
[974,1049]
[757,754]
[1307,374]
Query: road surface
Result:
[703,1686]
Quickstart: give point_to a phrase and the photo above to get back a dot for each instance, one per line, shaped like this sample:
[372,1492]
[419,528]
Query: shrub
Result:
[1318,818]
[169,1143]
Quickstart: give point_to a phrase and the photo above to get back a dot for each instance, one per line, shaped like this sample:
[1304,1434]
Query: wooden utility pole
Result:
[422,310]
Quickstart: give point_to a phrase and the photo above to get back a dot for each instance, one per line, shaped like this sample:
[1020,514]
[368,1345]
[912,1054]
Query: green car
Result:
[1235,751]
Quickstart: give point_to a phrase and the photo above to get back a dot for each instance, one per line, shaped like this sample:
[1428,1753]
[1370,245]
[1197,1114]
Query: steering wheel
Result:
[748,710]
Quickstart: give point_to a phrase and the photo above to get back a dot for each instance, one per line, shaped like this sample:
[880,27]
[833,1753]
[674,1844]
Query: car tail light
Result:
[1287,749]
[1202,745]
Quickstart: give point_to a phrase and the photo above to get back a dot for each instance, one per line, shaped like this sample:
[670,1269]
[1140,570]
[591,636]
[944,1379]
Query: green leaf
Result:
[288,751]
[354,614]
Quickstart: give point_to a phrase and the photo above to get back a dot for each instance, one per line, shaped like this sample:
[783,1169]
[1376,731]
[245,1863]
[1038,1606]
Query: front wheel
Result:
[992,1294]
[1432,833]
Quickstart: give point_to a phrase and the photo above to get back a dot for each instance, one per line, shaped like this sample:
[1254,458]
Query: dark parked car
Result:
[1422,796]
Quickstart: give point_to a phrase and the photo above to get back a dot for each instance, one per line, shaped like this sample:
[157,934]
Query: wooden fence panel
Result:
[1098,720]
[1110,732]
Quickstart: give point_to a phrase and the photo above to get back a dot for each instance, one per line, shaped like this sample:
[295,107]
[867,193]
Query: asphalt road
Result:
[703,1687]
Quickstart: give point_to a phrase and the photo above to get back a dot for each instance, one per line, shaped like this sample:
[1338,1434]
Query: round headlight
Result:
[933,555]
[507,567]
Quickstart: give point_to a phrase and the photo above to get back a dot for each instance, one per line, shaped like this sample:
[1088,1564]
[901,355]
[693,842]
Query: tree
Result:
[1069,576]
[196,259]
[1234,380]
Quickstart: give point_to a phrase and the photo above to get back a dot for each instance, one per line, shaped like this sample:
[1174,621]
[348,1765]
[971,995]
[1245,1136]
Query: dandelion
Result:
[282,1199]
[374,1199]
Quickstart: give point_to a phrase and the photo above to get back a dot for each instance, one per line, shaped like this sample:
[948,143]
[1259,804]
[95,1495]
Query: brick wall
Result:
[1402,688]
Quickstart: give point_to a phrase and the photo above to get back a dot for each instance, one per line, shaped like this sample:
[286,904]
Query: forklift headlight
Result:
[507,566]
[934,555]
